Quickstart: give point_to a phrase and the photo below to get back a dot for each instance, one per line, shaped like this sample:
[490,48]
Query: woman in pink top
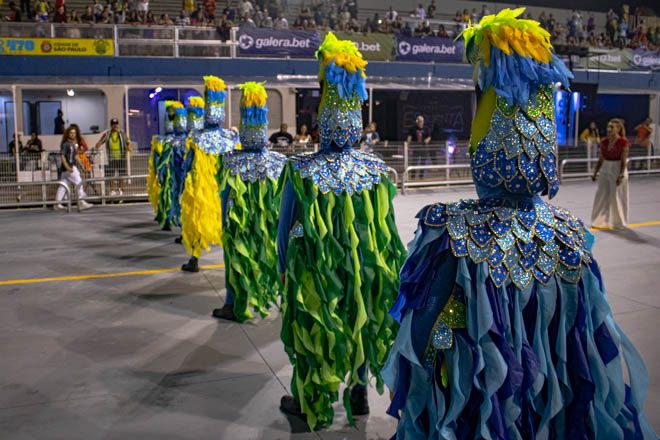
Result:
[611,203]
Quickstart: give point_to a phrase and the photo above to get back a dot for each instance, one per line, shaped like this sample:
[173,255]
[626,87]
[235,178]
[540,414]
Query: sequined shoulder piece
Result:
[520,241]
[165,138]
[518,152]
[216,141]
[350,171]
[254,165]
[178,142]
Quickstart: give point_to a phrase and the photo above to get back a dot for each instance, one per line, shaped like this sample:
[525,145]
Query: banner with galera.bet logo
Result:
[57,47]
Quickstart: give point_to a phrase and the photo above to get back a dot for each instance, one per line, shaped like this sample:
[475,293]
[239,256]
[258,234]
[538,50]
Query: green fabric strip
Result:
[164,196]
[249,242]
[341,280]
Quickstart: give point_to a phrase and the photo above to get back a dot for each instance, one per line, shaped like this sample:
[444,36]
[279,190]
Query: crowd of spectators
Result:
[621,29]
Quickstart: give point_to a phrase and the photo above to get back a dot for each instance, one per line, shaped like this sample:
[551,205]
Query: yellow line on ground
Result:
[102,275]
[176,269]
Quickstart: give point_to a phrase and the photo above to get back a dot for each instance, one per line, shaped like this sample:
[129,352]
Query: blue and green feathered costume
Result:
[251,193]
[201,224]
[184,121]
[339,247]
[160,170]
[506,332]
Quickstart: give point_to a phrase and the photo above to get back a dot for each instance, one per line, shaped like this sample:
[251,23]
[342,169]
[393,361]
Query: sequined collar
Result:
[216,140]
[518,152]
[253,165]
[338,171]
[520,240]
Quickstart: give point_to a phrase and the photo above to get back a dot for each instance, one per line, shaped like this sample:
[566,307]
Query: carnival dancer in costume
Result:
[506,332]
[158,174]
[183,123]
[251,194]
[200,201]
[339,252]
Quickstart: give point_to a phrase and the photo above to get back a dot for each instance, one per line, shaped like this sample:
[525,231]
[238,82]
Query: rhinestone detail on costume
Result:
[254,165]
[348,171]
[518,152]
[521,240]
[216,140]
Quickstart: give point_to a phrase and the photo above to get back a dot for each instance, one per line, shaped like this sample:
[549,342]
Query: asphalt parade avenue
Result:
[102,337]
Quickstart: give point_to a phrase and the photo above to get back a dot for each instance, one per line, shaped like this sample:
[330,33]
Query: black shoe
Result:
[178,240]
[226,312]
[290,407]
[359,402]
[190,266]
[167,227]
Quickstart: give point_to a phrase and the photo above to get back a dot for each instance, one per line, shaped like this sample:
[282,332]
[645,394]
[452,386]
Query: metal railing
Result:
[15,195]
[411,166]
[134,188]
[652,166]
[130,40]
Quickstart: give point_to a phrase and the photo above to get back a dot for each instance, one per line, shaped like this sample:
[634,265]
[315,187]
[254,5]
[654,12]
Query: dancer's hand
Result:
[283,277]
[593,178]
[619,179]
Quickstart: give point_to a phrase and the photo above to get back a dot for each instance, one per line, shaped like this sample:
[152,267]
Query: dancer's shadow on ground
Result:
[633,236]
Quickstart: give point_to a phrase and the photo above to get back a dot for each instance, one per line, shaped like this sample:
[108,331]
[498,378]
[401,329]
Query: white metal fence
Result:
[33,179]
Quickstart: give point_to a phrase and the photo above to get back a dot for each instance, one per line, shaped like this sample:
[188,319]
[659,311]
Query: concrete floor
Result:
[139,357]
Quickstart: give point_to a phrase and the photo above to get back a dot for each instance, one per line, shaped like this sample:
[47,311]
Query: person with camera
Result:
[70,171]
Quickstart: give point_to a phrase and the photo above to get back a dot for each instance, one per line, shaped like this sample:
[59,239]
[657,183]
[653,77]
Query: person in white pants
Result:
[70,172]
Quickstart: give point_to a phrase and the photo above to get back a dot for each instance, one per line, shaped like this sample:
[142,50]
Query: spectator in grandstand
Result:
[14,13]
[183,19]
[117,146]
[70,171]
[370,137]
[643,135]
[247,22]
[281,22]
[424,29]
[98,9]
[418,139]
[165,20]
[75,18]
[41,11]
[149,18]
[143,6]
[622,33]
[391,15]
[430,10]
[420,12]
[188,6]
[352,7]
[88,16]
[282,138]
[610,208]
[244,8]
[303,137]
[442,32]
[209,9]
[223,28]
[25,8]
[60,15]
